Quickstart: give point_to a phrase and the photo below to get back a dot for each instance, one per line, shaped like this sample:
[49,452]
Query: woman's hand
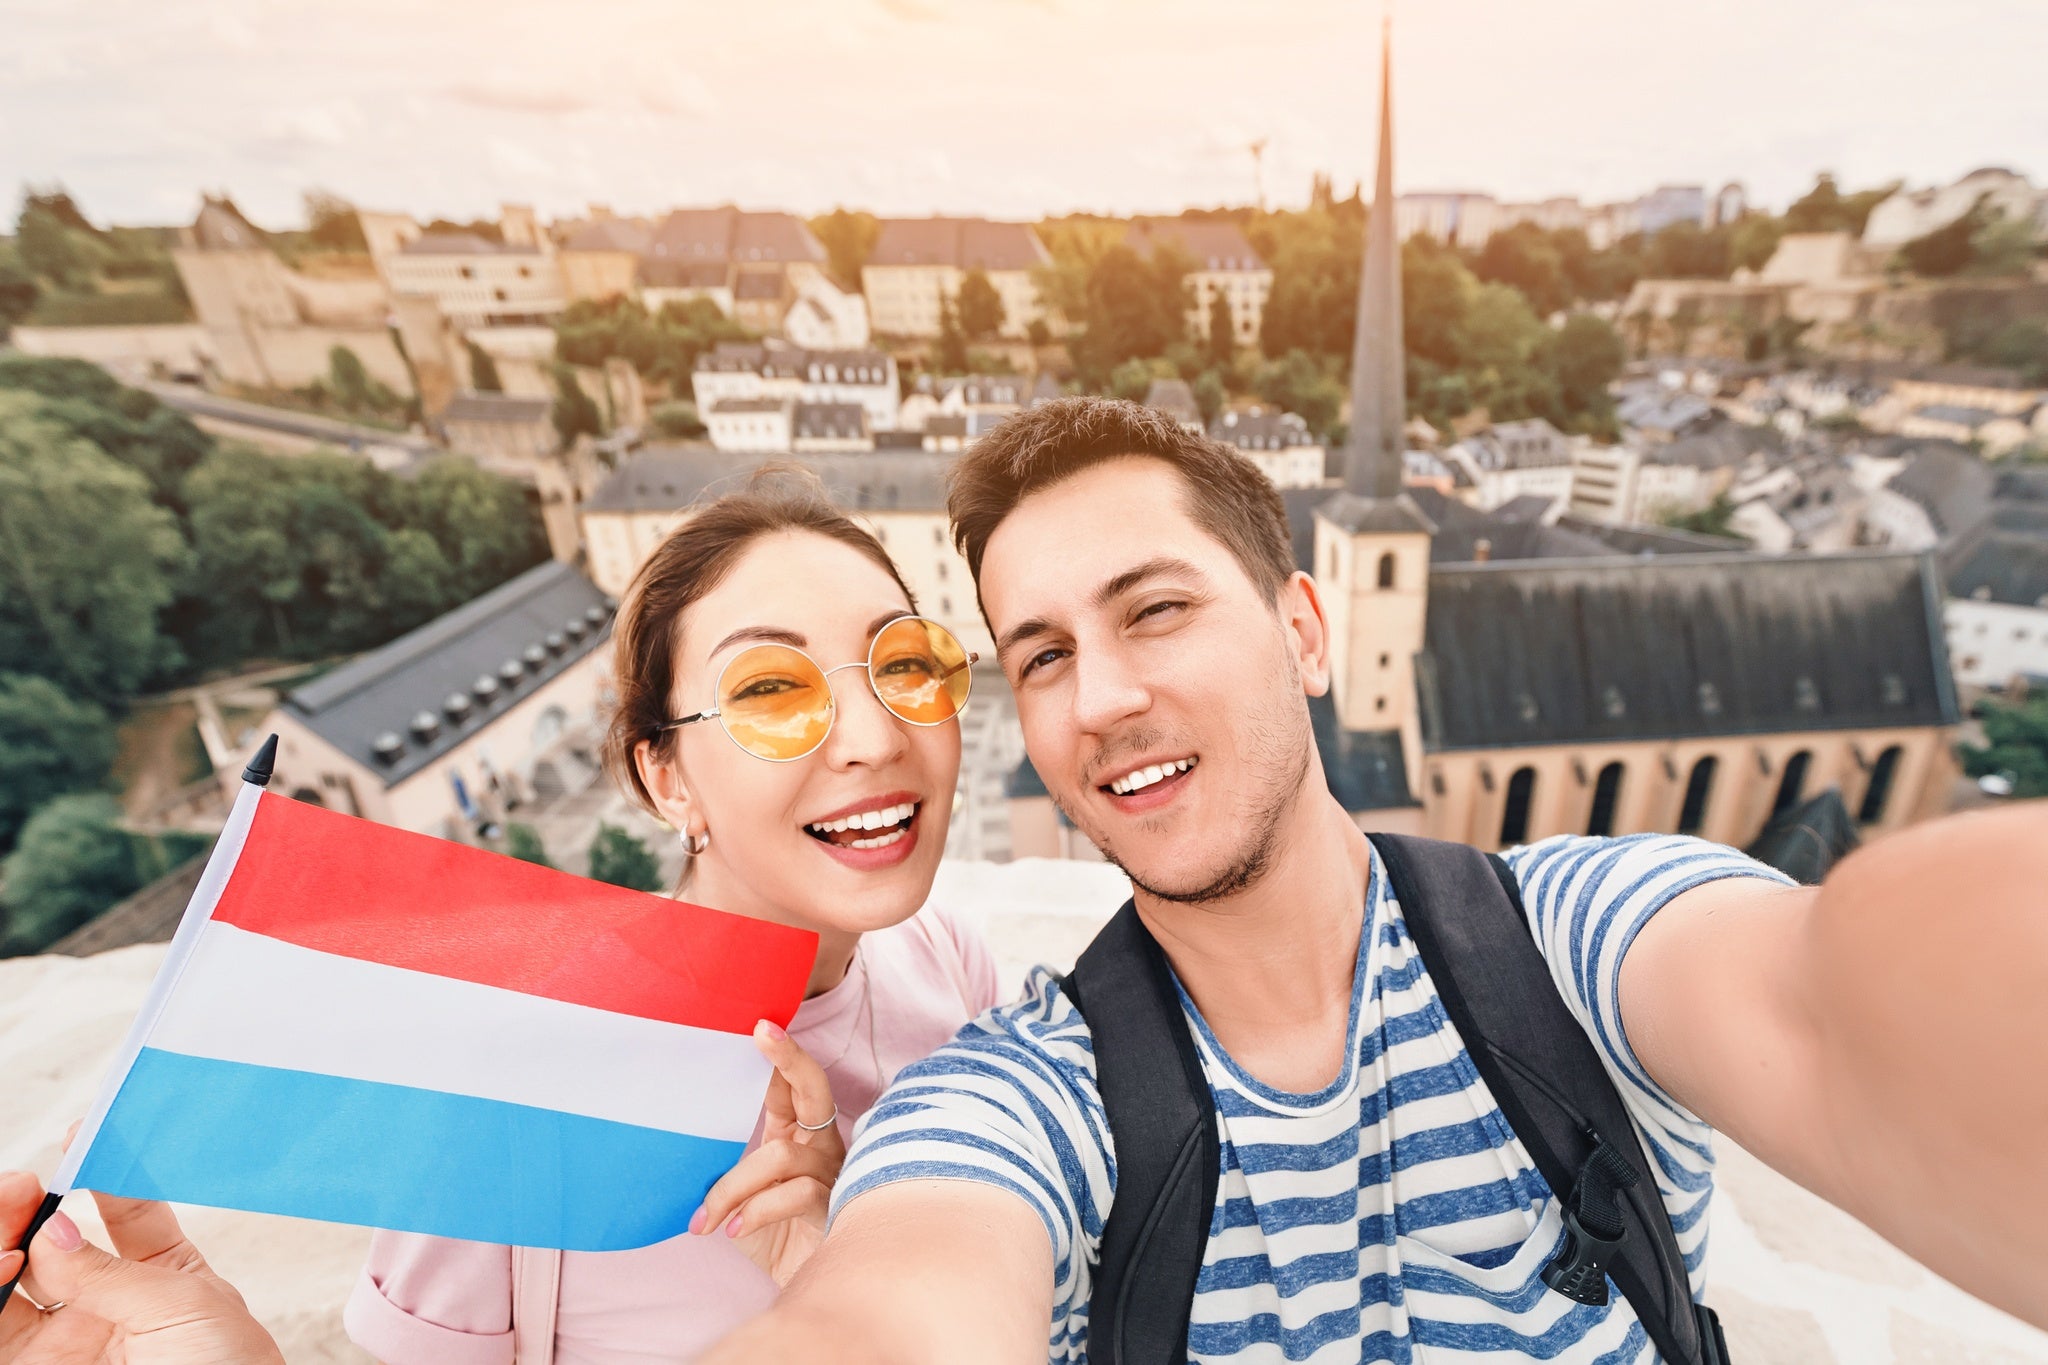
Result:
[153,1303]
[772,1204]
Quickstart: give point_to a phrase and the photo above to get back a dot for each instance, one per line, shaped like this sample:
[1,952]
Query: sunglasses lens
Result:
[774,702]
[920,671]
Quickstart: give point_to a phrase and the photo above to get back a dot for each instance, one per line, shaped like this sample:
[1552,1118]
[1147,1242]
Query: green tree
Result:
[2016,735]
[980,306]
[1754,241]
[949,352]
[1302,384]
[1314,299]
[523,842]
[50,250]
[18,289]
[1222,338]
[86,561]
[2003,246]
[1586,355]
[1949,249]
[848,237]
[1136,308]
[678,421]
[619,858]
[1209,394]
[483,371]
[155,440]
[574,413]
[72,862]
[1525,256]
[1712,520]
[1824,208]
[1687,251]
[51,743]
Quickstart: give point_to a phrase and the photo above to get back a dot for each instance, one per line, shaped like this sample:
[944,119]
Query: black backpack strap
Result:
[1464,911]
[1163,1121]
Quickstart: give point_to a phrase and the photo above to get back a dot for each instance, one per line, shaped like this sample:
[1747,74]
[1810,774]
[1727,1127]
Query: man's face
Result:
[1161,694]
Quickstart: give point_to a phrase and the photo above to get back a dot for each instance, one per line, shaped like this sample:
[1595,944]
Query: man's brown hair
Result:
[1227,495]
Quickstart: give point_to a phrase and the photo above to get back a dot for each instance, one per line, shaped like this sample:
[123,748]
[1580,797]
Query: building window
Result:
[1606,796]
[1879,792]
[1387,569]
[1792,782]
[1692,817]
[1386,660]
[1514,816]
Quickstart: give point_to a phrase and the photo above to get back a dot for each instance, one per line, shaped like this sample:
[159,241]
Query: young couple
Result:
[1877,1038]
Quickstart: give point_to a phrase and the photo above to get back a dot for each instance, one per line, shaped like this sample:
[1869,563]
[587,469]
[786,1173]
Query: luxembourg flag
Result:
[363,1025]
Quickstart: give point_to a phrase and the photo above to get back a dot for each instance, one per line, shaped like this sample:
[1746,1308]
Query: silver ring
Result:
[23,1291]
[819,1127]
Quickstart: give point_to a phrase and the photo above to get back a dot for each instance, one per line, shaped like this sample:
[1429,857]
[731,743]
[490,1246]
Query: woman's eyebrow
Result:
[775,635]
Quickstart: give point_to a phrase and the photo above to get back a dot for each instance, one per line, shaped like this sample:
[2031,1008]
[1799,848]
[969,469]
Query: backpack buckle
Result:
[1579,1270]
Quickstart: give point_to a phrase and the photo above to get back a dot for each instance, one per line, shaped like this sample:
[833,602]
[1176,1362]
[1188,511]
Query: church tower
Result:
[1371,540]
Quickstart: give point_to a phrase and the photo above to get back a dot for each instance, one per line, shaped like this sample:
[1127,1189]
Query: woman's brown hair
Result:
[691,562]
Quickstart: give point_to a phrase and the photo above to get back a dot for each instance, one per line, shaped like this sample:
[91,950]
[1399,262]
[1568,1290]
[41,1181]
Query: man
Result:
[1879,1039]
[1141,591]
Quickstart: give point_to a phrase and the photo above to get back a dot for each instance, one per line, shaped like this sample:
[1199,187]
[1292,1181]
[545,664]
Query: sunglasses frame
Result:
[867,665]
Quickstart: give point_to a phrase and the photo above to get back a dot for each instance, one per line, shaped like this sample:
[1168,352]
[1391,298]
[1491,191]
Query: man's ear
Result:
[665,783]
[1308,632]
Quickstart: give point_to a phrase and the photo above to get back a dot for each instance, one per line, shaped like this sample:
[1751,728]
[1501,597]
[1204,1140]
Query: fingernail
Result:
[62,1234]
[771,1029]
[697,1220]
[732,1229]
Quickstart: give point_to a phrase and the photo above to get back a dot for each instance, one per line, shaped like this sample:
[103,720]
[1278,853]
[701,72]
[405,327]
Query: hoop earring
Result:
[694,844]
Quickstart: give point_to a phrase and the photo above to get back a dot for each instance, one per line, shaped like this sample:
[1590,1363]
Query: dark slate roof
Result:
[1637,538]
[611,234]
[1958,376]
[2003,568]
[1960,416]
[1718,445]
[731,236]
[1365,768]
[662,478]
[1211,245]
[838,421]
[151,915]
[1508,535]
[1807,840]
[1379,516]
[1951,483]
[770,404]
[968,243]
[1567,652]
[518,635]
[495,407]
[1260,429]
[1174,398]
[1023,782]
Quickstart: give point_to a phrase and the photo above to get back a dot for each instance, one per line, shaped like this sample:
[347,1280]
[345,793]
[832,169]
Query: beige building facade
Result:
[918,263]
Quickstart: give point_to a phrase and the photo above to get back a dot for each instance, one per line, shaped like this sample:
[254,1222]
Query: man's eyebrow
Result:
[1110,589]
[1161,565]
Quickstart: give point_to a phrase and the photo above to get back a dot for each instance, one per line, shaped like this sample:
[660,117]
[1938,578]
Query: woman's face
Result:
[767,857]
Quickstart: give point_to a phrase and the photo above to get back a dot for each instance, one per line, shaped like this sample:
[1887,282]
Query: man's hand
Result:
[926,1272]
[1882,1039]
[154,1303]
[773,1202]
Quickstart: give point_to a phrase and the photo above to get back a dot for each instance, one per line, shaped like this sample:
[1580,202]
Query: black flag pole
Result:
[256,774]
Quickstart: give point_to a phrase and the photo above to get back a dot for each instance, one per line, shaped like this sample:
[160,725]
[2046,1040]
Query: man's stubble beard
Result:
[1282,728]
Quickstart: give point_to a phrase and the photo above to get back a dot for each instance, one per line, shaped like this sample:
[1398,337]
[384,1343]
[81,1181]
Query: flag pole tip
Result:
[263,764]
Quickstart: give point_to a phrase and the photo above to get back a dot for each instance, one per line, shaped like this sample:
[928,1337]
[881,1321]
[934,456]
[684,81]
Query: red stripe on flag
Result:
[351,887]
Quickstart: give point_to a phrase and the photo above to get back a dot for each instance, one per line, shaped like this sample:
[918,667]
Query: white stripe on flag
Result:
[249,998]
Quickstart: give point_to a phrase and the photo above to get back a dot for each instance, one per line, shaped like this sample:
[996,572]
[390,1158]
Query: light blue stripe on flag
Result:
[201,1131]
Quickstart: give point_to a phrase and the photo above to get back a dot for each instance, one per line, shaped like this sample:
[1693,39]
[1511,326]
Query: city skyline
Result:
[900,107]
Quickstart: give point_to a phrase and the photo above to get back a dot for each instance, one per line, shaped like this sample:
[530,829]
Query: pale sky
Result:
[1012,108]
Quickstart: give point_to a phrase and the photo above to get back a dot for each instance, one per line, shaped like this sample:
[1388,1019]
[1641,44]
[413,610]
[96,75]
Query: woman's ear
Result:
[664,781]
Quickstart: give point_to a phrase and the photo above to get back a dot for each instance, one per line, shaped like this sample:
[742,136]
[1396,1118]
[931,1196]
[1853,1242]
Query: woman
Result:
[781,706]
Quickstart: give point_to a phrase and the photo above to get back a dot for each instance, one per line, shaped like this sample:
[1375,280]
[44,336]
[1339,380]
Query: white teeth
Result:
[880,840]
[873,819]
[1145,777]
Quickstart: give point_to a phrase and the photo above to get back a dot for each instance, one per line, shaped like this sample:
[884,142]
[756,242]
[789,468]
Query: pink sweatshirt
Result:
[433,1301]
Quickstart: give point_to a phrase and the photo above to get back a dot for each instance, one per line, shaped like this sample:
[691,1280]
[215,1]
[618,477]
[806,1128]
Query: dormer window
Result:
[1612,704]
[1805,694]
[1710,699]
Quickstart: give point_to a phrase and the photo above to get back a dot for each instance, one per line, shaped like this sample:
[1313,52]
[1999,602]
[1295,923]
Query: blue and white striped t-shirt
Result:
[1392,1215]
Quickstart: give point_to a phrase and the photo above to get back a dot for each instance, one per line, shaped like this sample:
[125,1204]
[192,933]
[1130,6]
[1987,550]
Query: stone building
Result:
[917,262]
[454,725]
[270,326]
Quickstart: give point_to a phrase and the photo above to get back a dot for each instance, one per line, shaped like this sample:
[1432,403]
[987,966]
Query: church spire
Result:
[1373,450]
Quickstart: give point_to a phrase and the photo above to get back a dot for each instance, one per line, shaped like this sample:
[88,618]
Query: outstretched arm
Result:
[924,1272]
[1882,1038]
